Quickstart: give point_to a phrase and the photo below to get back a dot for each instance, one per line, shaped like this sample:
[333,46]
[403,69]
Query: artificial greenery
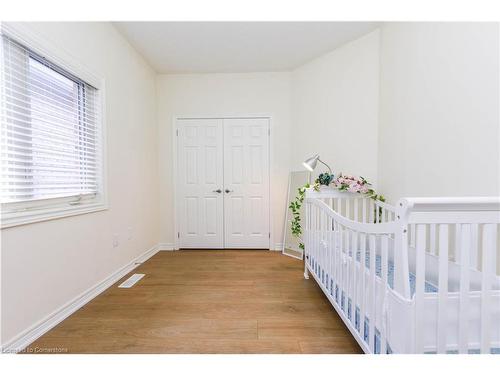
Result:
[295,206]
[325,179]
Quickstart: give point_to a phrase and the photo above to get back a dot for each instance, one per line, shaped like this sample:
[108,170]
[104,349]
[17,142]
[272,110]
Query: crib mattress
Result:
[429,287]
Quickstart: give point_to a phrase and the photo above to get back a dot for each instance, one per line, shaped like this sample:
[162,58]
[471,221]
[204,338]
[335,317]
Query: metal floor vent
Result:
[129,283]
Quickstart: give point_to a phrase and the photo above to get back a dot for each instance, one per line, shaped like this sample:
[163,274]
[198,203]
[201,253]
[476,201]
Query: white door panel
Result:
[200,175]
[246,183]
[230,155]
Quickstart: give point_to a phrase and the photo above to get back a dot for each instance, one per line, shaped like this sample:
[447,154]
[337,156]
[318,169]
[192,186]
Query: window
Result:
[51,138]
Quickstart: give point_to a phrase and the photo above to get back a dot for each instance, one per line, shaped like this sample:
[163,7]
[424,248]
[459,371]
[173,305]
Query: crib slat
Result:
[336,242]
[326,264]
[412,235]
[464,289]
[342,257]
[305,240]
[348,208]
[432,238]
[312,236]
[309,244]
[340,267]
[346,270]
[474,245]
[354,294]
[356,209]
[316,234]
[327,230]
[442,288]
[322,247]
[320,241]
[458,238]
[339,264]
[420,287]
[331,257]
[384,269]
[362,299]
[371,330]
[488,273]
[318,248]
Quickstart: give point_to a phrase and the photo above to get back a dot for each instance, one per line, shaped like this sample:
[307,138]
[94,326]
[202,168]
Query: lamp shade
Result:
[311,162]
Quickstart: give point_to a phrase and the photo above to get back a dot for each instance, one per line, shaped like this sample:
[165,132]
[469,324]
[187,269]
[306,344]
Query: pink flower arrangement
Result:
[353,184]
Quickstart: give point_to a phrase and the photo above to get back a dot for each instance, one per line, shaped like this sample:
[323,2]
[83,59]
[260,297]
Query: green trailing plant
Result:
[295,206]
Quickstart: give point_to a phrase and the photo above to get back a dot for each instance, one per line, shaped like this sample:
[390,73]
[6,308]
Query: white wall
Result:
[226,95]
[45,265]
[439,109]
[335,108]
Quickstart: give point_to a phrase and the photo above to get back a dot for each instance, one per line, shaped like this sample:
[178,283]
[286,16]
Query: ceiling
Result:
[228,47]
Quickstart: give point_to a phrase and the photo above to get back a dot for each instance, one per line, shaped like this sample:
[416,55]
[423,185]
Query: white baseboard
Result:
[166,246]
[26,337]
[278,246]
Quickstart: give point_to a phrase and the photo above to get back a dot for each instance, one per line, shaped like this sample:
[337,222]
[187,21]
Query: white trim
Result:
[278,246]
[24,34]
[175,140]
[31,39]
[270,179]
[166,246]
[38,329]
[35,216]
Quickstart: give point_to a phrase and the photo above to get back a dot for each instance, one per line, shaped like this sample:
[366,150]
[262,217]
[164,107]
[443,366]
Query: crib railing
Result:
[454,245]
[355,206]
[441,255]
[347,275]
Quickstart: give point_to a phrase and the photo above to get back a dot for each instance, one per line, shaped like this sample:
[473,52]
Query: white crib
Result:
[429,281]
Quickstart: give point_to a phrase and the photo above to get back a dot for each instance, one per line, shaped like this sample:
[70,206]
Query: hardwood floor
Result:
[211,301]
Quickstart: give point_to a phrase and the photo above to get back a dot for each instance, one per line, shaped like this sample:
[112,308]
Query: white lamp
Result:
[311,163]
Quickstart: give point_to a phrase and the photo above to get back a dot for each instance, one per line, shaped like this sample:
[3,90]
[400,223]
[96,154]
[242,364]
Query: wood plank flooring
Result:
[207,301]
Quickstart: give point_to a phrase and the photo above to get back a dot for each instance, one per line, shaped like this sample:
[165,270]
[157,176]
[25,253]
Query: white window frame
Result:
[21,213]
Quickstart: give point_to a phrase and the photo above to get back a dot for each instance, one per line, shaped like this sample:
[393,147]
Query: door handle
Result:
[228,191]
[218,191]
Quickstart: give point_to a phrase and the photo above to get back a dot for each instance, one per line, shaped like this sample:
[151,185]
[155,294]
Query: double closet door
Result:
[223,183]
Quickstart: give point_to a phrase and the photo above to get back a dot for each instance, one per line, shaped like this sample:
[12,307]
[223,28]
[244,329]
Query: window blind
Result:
[49,125]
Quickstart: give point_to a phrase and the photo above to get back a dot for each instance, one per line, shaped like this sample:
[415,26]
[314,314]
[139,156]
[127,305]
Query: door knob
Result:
[218,191]
[228,191]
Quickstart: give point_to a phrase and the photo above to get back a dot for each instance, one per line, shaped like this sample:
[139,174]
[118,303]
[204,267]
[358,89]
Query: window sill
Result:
[10,220]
